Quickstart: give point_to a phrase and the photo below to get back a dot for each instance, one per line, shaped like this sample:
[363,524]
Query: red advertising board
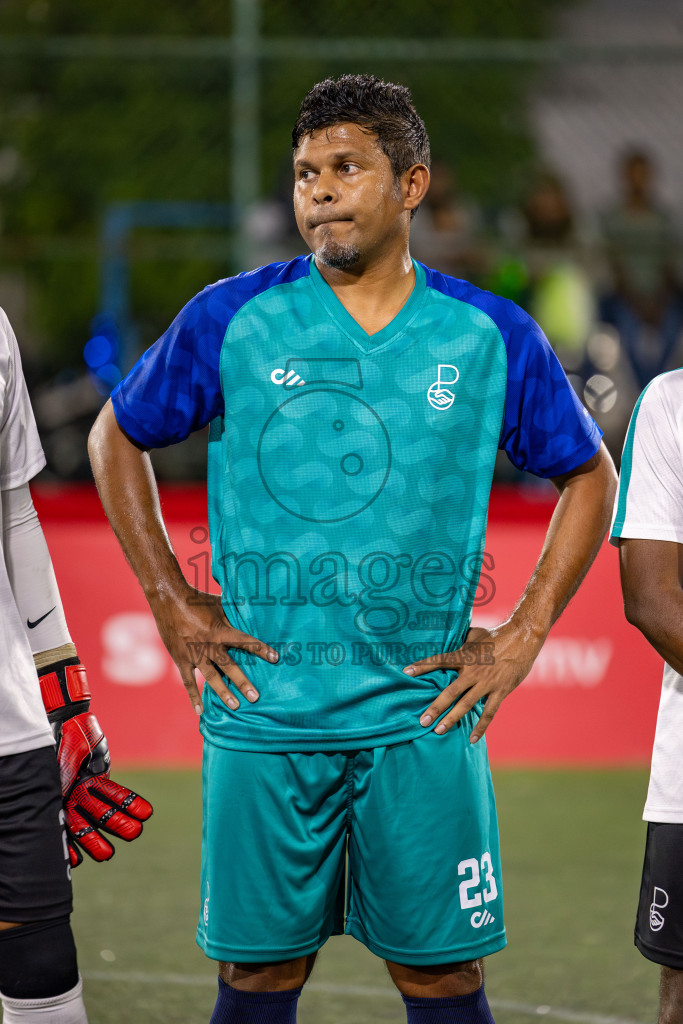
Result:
[591,697]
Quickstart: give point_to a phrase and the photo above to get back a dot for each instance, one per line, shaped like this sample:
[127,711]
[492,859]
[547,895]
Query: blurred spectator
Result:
[552,268]
[270,231]
[606,384]
[563,269]
[446,232]
[644,302]
[555,266]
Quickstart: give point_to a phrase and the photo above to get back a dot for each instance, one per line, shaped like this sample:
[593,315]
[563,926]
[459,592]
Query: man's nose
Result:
[325,190]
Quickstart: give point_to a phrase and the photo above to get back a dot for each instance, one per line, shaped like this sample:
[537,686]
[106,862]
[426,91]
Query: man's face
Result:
[638,175]
[348,204]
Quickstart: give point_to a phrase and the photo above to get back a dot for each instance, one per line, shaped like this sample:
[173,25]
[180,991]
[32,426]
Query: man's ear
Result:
[414,185]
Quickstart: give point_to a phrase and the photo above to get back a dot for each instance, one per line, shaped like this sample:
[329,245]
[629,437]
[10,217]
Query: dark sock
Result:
[236,1007]
[472,1009]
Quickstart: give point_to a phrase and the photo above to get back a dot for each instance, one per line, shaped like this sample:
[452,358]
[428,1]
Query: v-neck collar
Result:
[370,342]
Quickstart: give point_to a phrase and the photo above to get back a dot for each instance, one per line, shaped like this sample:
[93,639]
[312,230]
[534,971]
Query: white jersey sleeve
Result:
[649,503]
[21,455]
[649,506]
[23,722]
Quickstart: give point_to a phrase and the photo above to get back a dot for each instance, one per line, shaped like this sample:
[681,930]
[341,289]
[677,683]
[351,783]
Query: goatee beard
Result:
[339,255]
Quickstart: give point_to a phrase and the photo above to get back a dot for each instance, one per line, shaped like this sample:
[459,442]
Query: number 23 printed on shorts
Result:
[478,888]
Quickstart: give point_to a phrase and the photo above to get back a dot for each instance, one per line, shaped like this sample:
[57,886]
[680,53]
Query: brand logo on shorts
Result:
[205,913]
[660,899]
[438,396]
[480,918]
[65,843]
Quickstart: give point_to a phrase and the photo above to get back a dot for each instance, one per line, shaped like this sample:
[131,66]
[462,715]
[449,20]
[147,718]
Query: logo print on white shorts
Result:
[660,899]
[440,397]
[481,917]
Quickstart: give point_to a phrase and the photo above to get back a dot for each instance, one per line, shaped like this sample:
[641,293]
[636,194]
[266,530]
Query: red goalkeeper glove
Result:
[93,803]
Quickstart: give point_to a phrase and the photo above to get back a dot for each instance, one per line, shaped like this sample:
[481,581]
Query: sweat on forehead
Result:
[347,139]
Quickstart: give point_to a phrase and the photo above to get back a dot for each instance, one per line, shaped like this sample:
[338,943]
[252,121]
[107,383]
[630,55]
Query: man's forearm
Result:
[662,625]
[652,584]
[128,491]
[30,572]
[574,536]
[197,635]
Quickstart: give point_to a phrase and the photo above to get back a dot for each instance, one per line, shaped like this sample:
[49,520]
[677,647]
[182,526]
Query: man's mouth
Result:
[319,222]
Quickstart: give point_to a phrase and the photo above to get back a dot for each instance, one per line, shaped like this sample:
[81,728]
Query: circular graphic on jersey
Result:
[324,455]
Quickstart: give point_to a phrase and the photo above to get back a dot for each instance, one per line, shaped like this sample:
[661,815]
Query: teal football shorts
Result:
[397,846]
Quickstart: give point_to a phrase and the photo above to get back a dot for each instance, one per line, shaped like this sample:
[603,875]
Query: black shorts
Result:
[659,924]
[35,877]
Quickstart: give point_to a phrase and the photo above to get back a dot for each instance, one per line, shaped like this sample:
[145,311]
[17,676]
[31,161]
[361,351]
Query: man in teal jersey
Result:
[356,402]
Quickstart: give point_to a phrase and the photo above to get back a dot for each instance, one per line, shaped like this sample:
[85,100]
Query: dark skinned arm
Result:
[652,585]
[576,531]
[192,625]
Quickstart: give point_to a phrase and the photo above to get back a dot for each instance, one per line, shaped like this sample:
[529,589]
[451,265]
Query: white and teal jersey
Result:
[649,506]
[349,479]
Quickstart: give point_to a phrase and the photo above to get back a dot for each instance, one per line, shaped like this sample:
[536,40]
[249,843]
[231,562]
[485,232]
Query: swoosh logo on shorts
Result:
[32,625]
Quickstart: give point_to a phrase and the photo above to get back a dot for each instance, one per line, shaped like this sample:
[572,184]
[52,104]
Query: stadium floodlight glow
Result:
[98,351]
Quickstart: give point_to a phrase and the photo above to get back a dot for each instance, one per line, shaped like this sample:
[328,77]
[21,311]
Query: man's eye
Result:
[349,168]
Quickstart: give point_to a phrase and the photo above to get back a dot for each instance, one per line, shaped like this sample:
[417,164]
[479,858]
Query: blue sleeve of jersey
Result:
[174,388]
[545,429]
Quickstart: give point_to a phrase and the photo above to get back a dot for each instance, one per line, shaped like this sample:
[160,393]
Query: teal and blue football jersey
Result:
[349,478]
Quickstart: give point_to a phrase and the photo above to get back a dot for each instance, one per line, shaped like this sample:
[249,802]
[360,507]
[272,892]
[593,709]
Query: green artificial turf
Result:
[572,852]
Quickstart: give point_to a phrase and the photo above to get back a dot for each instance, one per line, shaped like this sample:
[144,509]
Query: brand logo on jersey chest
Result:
[288,378]
[439,396]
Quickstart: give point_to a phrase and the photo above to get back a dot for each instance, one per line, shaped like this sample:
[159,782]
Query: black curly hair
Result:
[381,108]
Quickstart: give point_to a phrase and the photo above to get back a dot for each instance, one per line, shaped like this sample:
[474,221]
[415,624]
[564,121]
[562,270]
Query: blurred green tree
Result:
[78,133]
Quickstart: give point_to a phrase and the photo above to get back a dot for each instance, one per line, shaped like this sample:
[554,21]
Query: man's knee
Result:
[670,996]
[437,981]
[270,977]
[38,960]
